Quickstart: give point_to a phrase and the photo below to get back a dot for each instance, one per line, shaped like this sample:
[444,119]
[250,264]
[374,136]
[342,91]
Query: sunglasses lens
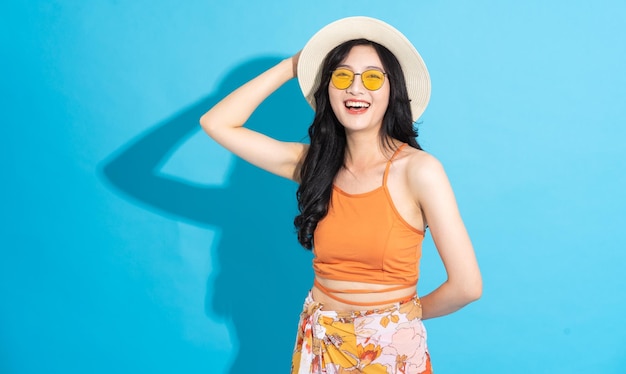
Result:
[373,79]
[342,78]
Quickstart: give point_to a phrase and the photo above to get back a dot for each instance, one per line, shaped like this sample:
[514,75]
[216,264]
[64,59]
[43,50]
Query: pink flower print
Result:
[408,347]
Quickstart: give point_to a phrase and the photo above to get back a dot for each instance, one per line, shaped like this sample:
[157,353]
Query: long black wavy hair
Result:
[327,136]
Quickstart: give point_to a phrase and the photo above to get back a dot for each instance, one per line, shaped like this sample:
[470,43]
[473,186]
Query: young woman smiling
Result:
[367,193]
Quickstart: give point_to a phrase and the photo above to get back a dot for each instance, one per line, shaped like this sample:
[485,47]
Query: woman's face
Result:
[356,107]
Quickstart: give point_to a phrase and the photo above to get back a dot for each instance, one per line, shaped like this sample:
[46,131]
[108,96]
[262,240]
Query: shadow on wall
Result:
[263,272]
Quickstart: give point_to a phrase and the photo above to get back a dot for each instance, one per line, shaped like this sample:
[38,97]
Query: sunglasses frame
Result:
[362,79]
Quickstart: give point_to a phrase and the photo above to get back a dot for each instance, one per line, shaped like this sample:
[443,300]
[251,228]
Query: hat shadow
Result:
[261,274]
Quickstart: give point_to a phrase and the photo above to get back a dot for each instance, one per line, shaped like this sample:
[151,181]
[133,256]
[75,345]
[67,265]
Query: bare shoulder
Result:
[425,175]
[422,166]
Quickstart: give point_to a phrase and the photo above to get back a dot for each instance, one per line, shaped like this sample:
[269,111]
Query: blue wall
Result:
[130,242]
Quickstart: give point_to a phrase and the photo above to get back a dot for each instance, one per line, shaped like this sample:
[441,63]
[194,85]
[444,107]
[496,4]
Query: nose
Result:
[356,87]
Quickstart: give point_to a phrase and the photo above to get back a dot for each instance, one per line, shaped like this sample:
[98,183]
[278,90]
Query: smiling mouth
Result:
[350,104]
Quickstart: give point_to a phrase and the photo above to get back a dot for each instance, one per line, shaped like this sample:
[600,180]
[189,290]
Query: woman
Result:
[367,193]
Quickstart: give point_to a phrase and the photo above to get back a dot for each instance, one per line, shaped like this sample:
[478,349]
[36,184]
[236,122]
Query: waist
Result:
[351,296]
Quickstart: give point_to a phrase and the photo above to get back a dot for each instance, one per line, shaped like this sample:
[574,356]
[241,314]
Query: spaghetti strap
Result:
[389,163]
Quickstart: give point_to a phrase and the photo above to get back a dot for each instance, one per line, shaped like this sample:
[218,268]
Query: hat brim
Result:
[414,69]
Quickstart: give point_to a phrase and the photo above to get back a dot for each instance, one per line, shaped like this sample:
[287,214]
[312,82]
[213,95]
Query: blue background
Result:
[130,242]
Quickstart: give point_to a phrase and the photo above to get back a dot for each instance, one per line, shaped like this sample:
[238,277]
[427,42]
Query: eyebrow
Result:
[366,68]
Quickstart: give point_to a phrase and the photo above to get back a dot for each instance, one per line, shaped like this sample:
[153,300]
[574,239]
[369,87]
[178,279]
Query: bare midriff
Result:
[357,296]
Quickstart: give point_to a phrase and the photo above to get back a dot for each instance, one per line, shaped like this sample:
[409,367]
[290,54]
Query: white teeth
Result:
[357,104]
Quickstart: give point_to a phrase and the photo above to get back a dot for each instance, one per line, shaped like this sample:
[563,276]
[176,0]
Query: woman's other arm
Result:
[433,192]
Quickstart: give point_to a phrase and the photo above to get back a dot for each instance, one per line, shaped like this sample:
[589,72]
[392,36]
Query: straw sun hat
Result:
[333,34]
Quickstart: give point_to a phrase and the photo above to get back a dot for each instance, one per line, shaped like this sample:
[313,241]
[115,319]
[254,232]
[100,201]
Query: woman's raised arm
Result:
[224,123]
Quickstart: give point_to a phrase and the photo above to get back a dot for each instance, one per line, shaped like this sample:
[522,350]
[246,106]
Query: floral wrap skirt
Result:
[390,340]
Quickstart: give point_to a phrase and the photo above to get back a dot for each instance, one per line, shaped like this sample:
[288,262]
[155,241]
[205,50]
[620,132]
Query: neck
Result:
[363,151]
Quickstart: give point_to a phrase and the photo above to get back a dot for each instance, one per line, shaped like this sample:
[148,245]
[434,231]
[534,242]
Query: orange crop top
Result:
[363,238]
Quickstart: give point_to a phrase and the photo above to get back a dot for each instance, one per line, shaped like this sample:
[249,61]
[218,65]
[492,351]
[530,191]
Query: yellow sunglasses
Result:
[372,79]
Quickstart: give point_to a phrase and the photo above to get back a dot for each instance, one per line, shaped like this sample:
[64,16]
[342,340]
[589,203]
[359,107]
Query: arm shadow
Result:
[261,273]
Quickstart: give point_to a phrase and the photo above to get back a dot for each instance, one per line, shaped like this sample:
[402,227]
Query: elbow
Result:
[472,291]
[474,294]
[215,125]
[467,290]
[206,123]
